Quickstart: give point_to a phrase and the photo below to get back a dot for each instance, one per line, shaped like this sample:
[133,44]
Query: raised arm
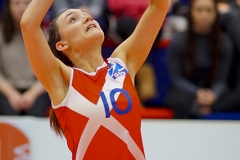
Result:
[136,48]
[47,68]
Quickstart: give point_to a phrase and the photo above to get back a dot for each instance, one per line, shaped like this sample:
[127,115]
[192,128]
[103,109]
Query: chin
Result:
[97,38]
[98,34]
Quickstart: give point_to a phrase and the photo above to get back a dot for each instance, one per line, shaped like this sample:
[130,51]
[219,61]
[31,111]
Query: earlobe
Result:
[61,46]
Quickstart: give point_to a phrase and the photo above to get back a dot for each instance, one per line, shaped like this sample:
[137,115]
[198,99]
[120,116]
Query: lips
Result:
[91,26]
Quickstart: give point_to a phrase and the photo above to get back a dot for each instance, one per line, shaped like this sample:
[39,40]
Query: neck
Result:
[201,30]
[17,25]
[87,60]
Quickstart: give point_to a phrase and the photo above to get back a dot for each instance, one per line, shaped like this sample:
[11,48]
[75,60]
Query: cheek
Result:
[17,12]
[195,17]
[73,38]
[212,17]
[71,32]
[14,13]
[65,34]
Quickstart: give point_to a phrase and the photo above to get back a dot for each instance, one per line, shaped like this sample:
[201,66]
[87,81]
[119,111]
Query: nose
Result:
[87,18]
[205,14]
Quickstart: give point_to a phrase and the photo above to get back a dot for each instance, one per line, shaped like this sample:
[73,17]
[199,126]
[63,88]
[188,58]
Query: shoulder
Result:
[226,45]
[225,39]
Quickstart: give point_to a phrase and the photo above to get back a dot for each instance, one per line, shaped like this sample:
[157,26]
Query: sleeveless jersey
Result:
[101,114]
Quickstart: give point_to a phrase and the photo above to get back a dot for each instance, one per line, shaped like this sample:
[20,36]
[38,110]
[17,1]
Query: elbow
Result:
[28,24]
[23,23]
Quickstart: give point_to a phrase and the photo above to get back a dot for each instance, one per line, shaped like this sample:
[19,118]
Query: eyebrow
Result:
[68,15]
[84,11]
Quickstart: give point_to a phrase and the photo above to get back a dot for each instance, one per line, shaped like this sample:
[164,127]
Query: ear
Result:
[61,46]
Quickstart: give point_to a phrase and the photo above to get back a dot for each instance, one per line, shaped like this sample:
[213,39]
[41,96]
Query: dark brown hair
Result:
[7,23]
[190,69]
[53,38]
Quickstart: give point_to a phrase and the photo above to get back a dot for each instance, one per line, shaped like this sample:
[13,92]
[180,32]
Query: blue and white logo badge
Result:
[115,70]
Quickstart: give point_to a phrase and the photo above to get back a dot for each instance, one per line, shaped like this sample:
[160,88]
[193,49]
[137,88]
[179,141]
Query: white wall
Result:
[163,139]
[191,140]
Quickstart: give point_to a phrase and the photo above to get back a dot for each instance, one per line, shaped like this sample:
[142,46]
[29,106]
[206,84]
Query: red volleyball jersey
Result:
[101,114]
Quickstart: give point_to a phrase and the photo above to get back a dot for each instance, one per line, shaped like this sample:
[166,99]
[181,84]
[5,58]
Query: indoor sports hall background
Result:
[28,138]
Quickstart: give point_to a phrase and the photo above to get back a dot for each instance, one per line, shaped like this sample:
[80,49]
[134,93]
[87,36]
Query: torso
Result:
[14,63]
[101,114]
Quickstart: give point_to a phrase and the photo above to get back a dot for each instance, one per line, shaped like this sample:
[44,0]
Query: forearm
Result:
[7,89]
[36,89]
[151,20]
[218,88]
[162,4]
[186,85]
[35,13]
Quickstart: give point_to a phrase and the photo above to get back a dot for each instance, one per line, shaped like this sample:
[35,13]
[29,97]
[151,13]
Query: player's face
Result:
[203,13]
[78,28]
[17,8]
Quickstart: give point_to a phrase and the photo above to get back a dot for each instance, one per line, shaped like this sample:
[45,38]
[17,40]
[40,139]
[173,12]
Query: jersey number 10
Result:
[113,102]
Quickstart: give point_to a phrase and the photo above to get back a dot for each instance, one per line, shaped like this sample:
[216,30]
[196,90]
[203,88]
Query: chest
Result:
[110,92]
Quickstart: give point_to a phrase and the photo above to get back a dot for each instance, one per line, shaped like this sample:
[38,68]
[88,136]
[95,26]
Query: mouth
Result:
[90,26]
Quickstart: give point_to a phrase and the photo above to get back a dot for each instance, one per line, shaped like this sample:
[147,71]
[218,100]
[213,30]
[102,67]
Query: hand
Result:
[15,101]
[27,100]
[200,97]
[210,96]
[205,97]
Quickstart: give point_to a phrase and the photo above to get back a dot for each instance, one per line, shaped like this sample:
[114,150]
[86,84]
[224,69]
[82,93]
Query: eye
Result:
[73,19]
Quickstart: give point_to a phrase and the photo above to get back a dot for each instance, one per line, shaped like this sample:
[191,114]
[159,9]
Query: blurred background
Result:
[189,85]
